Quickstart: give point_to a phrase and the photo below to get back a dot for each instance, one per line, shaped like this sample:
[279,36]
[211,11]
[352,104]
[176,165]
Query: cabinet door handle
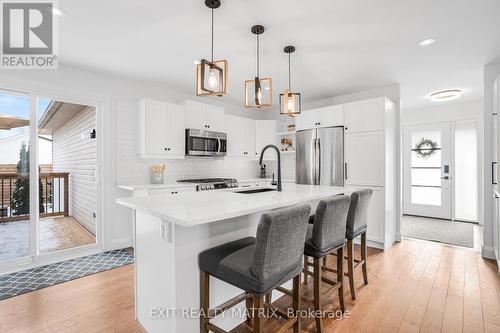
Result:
[493,173]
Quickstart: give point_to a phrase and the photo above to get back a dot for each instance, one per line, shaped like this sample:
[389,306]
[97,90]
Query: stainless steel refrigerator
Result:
[320,156]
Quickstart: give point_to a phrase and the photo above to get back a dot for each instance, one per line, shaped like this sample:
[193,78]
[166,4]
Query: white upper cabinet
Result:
[366,115]
[240,137]
[161,129]
[204,117]
[322,117]
[365,158]
[265,133]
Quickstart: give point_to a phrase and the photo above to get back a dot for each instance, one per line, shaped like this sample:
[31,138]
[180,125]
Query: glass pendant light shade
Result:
[211,76]
[290,102]
[259,91]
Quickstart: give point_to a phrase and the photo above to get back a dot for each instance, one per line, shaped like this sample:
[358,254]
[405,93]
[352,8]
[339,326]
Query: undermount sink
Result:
[255,190]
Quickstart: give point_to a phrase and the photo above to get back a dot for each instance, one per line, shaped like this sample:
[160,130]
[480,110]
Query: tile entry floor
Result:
[56,233]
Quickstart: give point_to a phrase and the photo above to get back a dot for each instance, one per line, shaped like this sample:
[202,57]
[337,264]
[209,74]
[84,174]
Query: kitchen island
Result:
[170,232]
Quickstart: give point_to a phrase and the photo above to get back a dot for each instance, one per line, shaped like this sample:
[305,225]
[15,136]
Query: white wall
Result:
[76,153]
[490,74]
[450,111]
[115,93]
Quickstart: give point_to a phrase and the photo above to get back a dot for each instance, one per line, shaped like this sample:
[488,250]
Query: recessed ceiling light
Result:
[446,95]
[58,12]
[427,42]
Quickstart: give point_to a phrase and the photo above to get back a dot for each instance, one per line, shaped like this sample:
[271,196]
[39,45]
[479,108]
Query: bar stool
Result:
[325,236]
[257,265]
[356,225]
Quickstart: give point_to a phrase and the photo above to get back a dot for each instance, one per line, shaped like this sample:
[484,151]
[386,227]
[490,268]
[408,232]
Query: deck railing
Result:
[54,195]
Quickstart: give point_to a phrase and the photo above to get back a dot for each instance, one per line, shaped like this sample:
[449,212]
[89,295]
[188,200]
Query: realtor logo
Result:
[28,35]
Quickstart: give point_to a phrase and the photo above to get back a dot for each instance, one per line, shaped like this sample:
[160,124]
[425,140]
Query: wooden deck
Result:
[56,233]
[415,286]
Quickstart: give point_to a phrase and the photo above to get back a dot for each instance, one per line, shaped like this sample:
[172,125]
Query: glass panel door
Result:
[427,171]
[14,176]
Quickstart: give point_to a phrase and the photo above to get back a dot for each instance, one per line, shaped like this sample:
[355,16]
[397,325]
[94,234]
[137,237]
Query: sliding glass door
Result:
[48,178]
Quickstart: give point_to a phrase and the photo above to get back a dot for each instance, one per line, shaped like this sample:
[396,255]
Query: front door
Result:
[427,174]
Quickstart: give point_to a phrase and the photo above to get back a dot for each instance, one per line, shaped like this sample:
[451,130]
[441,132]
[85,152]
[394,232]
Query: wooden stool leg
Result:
[204,300]
[363,256]
[258,326]
[350,266]
[249,305]
[324,261]
[296,302]
[268,297]
[340,276]
[317,293]
[305,270]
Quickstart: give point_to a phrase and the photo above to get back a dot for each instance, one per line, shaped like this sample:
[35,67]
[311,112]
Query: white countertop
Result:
[194,208]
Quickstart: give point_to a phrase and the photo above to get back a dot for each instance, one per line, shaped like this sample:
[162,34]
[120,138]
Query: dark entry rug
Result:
[443,231]
[45,276]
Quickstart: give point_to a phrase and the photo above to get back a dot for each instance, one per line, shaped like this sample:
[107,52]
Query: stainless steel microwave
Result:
[205,143]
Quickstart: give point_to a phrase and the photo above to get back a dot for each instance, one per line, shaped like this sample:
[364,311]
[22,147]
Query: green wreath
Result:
[425,148]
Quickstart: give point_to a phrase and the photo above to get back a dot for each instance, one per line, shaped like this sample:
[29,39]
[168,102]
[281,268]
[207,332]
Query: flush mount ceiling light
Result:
[290,102]
[259,91]
[446,95]
[427,42]
[211,76]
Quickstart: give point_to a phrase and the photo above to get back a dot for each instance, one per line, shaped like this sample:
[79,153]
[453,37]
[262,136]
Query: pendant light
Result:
[290,102]
[259,91]
[211,76]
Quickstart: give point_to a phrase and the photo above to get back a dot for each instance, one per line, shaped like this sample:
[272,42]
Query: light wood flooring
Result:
[415,286]
[56,233]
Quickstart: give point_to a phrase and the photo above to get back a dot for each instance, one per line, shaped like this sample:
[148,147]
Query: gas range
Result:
[205,184]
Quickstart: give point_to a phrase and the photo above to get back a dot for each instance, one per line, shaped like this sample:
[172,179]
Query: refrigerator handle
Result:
[314,161]
[318,161]
[345,171]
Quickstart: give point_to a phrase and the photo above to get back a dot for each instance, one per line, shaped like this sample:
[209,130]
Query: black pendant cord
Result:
[258,52]
[212,35]
[289,75]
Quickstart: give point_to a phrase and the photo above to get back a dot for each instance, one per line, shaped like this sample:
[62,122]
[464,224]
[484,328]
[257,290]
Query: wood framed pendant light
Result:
[259,91]
[290,102]
[211,76]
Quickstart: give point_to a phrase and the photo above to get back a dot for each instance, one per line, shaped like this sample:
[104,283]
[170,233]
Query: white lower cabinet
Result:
[172,191]
[377,225]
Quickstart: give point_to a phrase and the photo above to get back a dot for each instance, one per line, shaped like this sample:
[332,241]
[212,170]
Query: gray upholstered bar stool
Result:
[325,236]
[258,265]
[356,225]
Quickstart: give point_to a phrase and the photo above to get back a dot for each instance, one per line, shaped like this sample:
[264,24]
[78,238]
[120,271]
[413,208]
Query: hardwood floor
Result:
[415,286]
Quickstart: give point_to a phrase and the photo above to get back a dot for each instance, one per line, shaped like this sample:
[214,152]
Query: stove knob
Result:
[203,187]
[212,187]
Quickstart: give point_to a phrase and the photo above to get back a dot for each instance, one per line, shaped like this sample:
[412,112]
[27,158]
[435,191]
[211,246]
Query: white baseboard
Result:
[488,252]
[118,244]
[371,243]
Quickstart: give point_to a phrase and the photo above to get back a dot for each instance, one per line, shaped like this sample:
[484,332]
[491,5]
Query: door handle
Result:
[445,178]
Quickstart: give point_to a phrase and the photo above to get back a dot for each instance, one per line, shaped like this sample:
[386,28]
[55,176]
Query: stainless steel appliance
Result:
[320,156]
[205,143]
[206,184]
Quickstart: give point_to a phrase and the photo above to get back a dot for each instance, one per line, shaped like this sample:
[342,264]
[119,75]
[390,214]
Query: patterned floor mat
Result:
[36,278]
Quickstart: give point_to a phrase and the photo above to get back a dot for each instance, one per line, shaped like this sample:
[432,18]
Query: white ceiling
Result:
[342,46]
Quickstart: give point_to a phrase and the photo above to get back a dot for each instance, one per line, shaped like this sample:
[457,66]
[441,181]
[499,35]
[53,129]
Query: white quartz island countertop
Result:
[191,209]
